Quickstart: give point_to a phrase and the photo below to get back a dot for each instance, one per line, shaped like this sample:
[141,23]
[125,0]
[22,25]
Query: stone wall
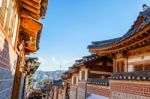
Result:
[60,96]
[117,89]
[81,93]
[8,61]
[130,89]
[73,92]
[98,90]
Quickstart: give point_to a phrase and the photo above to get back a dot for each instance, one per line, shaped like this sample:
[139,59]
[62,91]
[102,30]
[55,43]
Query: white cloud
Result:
[52,63]
[67,61]
[53,59]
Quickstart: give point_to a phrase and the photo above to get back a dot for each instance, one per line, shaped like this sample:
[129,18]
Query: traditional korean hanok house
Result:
[66,77]
[58,89]
[89,73]
[19,35]
[74,82]
[9,29]
[31,66]
[93,73]
[131,59]
[29,34]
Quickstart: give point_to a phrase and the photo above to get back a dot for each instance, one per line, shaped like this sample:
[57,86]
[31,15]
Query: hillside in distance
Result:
[51,75]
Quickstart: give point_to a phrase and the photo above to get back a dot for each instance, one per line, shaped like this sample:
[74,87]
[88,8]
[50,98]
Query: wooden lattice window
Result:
[12,23]
[138,67]
[142,67]
[3,10]
[74,80]
[83,75]
[120,66]
[8,16]
[147,67]
[1,3]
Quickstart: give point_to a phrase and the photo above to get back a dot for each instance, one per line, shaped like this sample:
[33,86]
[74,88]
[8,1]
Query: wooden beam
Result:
[25,12]
[31,28]
[100,72]
[140,62]
[30,24]
[132,45]
[30,8]
[32,3]
[31,48]
[29,33]
[127,40]
[37,1]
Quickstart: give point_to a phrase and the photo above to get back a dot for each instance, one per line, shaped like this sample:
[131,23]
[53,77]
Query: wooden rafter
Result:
[30,24]
[34,8]
[126,44]
[30,8]
[31,48]
[32,3]
[29,33]
[37,1]
[100,72]
[31,29]
[136,44]
[25,12]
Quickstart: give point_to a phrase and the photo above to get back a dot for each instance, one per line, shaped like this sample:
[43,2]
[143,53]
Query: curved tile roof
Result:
[144,14]
[85,59]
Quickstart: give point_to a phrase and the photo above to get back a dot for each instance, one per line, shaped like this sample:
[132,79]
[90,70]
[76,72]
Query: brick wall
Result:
[73,92]
[99,90]
[81,93]
[8,59]
[60,96]
[130,90]
[118,89]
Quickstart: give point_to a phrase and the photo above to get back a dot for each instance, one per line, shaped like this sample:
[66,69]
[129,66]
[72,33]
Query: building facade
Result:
[120,69]
[19,36]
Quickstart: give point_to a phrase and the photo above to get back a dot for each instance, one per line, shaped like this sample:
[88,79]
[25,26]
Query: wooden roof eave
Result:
[117,46]
[31,48]
[71,71]
[30,8]
[32,3]
[140,43]
[30,24]
[25,12]
[38,38]
[31,28]
[34,8]
[29,33]
[37,1]
[66,76]
[34,47]
[44,5]
[79,65]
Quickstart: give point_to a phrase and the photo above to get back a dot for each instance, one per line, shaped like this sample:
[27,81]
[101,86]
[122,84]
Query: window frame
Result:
[74,80]
[1,2]
[120,65]
[83,73]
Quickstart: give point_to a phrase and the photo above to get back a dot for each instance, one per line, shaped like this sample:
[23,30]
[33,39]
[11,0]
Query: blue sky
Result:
[71,25]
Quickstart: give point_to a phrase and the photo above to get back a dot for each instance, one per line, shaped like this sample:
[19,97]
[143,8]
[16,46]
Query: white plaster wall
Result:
[15,30]
[139,59]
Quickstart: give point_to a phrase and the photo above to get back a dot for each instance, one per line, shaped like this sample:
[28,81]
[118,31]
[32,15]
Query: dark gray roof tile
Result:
[100,44]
